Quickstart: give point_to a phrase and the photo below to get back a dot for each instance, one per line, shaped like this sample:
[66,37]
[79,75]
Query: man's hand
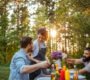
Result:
[32,68]
[44,64]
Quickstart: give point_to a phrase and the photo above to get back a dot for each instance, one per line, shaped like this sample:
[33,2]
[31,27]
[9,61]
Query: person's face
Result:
[40,37]
[30,47]
[86,55]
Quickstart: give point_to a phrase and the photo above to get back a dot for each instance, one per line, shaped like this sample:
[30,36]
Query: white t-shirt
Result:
[87,65]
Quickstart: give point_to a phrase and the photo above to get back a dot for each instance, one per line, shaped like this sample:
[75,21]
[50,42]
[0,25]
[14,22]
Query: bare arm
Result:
[81,71]
[31,68]
[74,61]
[32,59]
[85,69]
[78,61]
[23,68]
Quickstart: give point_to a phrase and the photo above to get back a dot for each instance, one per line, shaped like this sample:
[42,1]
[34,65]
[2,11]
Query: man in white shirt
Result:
[85,60]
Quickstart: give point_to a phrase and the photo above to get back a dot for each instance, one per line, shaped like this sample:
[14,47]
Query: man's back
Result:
[18,62]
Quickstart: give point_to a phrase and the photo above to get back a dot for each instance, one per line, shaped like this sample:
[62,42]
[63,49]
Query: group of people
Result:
[29,61]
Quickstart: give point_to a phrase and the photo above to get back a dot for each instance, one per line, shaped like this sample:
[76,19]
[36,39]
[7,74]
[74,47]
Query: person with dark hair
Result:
[39,50]
[20,64]
[85,60]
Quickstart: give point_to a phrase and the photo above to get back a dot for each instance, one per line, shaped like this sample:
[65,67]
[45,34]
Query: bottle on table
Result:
[52,76]
[53,72]
[64,67]
[62,77]
[75,75]
[67,75]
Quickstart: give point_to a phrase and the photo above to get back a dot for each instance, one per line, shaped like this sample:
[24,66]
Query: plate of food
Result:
[72,71]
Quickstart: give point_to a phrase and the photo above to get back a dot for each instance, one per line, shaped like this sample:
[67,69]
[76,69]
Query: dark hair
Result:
[25,41]
[87,48]
[43,32]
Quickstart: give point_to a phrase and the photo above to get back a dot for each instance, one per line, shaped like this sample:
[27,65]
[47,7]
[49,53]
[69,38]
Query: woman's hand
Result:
[32,59]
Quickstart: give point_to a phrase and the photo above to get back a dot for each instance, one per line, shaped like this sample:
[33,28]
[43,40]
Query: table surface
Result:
[43,75]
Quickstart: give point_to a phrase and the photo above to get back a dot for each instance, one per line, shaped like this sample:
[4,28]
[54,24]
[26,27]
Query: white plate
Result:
[79,77]
[71,71]
[44,78]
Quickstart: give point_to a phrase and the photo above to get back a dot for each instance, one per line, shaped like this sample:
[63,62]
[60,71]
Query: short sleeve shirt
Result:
[87,65]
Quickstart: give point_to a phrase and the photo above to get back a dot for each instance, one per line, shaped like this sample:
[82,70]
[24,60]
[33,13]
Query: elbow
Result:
[23,72]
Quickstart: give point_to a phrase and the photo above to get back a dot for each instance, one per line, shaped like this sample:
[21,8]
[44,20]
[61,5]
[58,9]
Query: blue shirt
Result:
[19,60]
[36,48]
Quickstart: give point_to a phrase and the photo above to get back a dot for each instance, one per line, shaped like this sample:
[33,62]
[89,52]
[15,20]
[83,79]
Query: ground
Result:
[4,71]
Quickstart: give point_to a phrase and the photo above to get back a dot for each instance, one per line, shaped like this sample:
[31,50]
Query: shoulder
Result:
[19,54]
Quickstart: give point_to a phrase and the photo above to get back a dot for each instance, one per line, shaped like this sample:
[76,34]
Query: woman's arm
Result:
[35,60]
[32,59]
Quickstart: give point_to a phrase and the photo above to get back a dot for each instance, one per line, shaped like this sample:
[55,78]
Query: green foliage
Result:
[13,19]
[4,21]
[4,72]
[71,12]
[12,29]
[70,17]
[50,14]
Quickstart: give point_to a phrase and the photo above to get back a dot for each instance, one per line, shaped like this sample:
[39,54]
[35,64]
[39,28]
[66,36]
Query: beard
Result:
[86,59]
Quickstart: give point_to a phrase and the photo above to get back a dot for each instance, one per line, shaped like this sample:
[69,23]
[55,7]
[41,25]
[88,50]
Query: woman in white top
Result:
[39,50]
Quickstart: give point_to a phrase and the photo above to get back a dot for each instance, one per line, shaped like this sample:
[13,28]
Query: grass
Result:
[4,71]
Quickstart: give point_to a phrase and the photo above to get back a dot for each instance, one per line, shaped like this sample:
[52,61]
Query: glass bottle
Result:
[53,72]
[75,76]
